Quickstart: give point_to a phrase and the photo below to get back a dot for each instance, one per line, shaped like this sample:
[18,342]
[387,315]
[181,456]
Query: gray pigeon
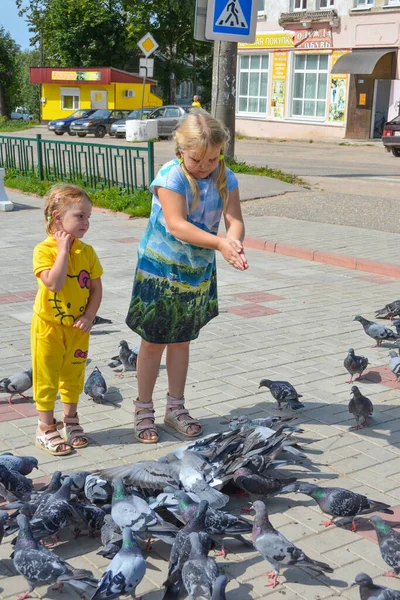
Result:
[339,502]
[22,464]
[127,357]
[4,517]
[134,512]
[389,543]
[360,406]
[219,588]
[199,571]
[101,321]
[17,384]
[389,310]
[78,479]
[394,364]
[376,331]
[125,571]
[370,591]
[97,489]
[283,392]
[95,386]
[57,512]
[277,550]
[355,364]
[14,482]
[255,483]
[111,538]
[39,566]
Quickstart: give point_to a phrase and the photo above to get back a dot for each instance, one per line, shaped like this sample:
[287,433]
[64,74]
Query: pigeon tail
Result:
[316,565]
[295,404]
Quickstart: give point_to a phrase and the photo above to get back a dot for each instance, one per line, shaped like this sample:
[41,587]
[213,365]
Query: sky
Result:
[15,25]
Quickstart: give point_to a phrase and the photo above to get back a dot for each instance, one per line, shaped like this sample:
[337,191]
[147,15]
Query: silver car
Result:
[169,117]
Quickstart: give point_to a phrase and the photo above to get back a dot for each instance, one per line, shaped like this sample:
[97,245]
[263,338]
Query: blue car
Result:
[61,126]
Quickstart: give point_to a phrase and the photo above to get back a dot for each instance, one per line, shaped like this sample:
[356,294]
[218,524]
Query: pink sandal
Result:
[175,410]
[73,433]
[139,428]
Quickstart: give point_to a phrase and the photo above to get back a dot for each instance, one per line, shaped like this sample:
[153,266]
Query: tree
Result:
[8,57]
[26,93]
[79,33]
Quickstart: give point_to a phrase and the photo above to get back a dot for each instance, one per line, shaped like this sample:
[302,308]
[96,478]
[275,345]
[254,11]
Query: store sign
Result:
[282,39]
[313,39]
[76,75]
[279,70]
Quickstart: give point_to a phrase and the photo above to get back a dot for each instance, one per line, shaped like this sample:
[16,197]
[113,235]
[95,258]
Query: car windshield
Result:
[134,114]
[78,113]
[100,113]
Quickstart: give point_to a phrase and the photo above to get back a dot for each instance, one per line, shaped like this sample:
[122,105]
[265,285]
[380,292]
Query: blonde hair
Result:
[59,199]
[200,132]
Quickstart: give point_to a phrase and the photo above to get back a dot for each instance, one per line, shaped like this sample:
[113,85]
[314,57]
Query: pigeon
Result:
[95,386]
[389,310]
[22,464]
[78,479]
[134,512]
[101,321]
[97,489]
[17,384]
[4,517]
[244,423]
[92,517]
[219,588]
[125,571]
[283,391]
[276,549]
[181,548]
[389,543]
[396,324]
[255,483]
[355,364]
[14,482]
[376,331]
[200,571]
[394,364]
[360,406]
[39,566]
[370,591]
[111,538]
[127,357]
[339,502]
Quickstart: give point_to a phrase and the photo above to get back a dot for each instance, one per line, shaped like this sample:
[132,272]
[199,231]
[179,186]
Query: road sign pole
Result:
[224,88]
[143,88]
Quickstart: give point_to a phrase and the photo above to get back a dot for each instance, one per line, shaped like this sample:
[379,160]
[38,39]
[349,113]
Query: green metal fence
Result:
[96,165]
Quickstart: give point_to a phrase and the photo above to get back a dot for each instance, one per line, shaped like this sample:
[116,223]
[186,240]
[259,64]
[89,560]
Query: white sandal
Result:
[48,438]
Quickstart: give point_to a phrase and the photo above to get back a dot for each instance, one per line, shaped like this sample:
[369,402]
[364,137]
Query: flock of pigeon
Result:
[181,499]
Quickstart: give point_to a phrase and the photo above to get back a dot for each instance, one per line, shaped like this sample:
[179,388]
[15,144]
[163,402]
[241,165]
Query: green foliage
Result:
[137,203]
[27,94]
[9,125]
[8,82]
[242,167]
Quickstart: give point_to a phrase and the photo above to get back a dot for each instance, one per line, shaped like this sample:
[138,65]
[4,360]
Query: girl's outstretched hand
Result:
[233,252]
[64,240]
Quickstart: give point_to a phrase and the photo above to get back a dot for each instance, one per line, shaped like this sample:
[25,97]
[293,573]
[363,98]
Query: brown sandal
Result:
[73,433]
[138,429]
[176,408]
[49,439]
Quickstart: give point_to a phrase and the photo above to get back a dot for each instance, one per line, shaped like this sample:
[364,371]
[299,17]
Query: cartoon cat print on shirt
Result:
[69,318]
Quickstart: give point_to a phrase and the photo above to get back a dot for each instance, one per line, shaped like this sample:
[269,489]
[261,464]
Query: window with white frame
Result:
[261,7]
[310,79]
[70,98]
[325,4]
[299,4]
[253,83]
[393,2]
[364,3]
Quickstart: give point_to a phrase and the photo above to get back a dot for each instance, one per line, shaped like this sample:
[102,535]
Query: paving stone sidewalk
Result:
[285,318]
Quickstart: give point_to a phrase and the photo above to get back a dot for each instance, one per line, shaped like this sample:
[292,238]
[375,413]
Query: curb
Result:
[328,258]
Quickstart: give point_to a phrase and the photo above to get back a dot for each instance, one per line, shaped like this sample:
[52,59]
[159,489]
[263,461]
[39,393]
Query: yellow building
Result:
[66,89]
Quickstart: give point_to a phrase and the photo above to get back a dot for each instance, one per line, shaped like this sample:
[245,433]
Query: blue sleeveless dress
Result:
[175,286]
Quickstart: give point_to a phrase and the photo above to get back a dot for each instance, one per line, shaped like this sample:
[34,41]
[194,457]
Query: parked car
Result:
[391,136]
[61,126]
[119,127]
[98,123]
[21,114]
[169,117]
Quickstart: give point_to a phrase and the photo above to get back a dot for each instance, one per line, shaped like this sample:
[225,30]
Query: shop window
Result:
[253,84]
[310,80]
[299,4]
[322,4]
[70,98]
[393,3]
[363,3]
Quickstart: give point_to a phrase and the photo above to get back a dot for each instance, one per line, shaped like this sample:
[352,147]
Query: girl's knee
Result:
[149,348]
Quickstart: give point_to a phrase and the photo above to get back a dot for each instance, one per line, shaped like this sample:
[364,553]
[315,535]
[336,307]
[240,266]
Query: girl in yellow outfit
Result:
[68,273]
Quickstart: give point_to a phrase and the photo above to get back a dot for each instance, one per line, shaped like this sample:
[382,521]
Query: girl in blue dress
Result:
[175,286]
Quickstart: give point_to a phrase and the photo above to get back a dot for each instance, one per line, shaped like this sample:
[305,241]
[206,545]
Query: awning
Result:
[360,62]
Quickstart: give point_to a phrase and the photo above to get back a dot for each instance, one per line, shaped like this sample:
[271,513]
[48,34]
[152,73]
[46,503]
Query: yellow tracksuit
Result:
[59,351]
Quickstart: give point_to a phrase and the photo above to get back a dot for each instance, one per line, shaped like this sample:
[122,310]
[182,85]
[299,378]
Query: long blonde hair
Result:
[200,132]
[59,199]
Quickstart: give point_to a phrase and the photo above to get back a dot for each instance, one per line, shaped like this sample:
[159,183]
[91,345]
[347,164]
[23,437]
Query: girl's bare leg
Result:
[148,365]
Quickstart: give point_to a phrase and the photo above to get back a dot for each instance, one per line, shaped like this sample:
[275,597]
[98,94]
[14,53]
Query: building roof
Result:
[84,75]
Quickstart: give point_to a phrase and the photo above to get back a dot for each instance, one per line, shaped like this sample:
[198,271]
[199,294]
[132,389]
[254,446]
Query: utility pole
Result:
[224,88]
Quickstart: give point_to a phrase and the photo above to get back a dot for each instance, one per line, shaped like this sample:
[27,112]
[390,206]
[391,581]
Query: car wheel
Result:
[100,131]
[70,132]
[81,134]
[59,132]
[396,152]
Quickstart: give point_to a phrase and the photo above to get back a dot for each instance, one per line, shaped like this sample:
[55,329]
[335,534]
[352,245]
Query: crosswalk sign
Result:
[232,20]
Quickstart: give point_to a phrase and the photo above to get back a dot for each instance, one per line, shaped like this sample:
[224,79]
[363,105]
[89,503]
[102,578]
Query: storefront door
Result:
[98,99]
[380,106]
